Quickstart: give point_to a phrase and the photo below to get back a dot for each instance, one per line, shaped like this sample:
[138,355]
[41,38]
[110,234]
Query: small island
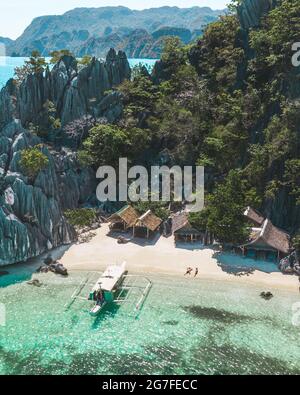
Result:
[147,285]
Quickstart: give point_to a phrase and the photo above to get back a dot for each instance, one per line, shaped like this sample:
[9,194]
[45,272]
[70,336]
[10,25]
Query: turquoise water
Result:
[7,67]
[8,64]
[186,326]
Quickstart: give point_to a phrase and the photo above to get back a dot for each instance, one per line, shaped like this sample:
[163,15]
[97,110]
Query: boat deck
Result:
[110,278]
[131,294]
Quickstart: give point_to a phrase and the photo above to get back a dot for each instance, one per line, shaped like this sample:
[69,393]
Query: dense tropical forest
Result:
[229,102]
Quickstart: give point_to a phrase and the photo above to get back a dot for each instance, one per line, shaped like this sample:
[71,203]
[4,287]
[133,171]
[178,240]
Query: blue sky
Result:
[16,15]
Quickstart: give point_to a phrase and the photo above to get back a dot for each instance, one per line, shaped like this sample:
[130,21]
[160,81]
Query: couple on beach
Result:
[189,271]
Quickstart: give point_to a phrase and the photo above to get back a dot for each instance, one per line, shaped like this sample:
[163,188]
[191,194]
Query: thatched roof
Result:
[127,214]
[271,237]
[179,221]
[149,220]
[254,216]
[182,226]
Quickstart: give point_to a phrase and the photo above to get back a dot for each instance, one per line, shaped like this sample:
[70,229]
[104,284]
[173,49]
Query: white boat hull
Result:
[96,310]
[107,284]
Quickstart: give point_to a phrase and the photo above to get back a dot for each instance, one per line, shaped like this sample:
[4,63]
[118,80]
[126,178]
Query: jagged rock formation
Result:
[290,264]
[250,12]
[74,93]
[31,214]
[31,211]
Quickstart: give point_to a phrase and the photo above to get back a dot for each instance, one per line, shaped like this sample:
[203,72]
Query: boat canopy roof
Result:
[110,278]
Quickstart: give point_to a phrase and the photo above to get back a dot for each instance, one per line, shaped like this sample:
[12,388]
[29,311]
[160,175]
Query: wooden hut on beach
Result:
[124,219]
[268,240]
[146,225]
[183,230]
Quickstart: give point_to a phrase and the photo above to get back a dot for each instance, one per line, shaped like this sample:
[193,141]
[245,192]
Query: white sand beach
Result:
[161,256]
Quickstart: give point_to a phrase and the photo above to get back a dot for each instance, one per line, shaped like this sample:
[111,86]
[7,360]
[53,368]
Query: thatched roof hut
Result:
[270,238]
[179,221]
[149,222]
[183,230]
[126,217]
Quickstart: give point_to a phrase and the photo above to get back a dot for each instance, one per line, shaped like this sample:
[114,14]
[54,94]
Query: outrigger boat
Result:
[114,286]
[106,287]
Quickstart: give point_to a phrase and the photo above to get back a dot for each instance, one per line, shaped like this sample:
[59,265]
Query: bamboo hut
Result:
[147,225]
[124,219]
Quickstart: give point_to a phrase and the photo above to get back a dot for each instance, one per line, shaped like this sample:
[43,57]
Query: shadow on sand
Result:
[196,246]
[146,242]
[23,271]
[142,242]
[238,265]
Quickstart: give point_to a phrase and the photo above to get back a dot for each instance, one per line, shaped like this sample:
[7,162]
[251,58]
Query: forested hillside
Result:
[230,103]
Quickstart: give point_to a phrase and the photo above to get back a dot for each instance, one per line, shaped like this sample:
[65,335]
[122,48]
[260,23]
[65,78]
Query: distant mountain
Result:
[94,30]
[7,42]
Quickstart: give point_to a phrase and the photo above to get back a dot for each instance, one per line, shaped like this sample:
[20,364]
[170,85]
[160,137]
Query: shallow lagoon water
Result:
[186,326]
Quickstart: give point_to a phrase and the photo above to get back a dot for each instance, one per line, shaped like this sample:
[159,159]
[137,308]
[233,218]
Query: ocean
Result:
[186,326]
[8,65]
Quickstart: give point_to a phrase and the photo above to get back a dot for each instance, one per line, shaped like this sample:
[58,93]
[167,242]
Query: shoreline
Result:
[160,256]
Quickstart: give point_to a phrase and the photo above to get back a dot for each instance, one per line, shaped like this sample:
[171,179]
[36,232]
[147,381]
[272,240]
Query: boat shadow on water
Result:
[108,311]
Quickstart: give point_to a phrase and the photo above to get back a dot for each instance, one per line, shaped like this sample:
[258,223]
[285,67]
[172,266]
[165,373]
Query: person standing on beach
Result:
[196,272]
[188,271]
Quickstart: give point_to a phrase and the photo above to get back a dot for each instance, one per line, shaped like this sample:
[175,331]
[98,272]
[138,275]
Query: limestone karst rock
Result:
[31,211]
[31,214]
[250,12]
[74,93]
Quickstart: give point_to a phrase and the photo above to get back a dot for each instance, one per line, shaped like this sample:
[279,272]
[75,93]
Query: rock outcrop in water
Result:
[31,212]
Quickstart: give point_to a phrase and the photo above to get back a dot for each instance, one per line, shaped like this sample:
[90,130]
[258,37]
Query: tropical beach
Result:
[162,256]
[150,188]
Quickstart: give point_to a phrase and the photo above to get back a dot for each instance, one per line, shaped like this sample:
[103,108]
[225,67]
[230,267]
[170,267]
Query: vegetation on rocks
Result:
[35,65]
[105,144]
[81,217]
[57,55]
[33,161]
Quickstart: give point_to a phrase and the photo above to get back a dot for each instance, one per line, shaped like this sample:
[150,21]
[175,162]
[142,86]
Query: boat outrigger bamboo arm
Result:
[142,299]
